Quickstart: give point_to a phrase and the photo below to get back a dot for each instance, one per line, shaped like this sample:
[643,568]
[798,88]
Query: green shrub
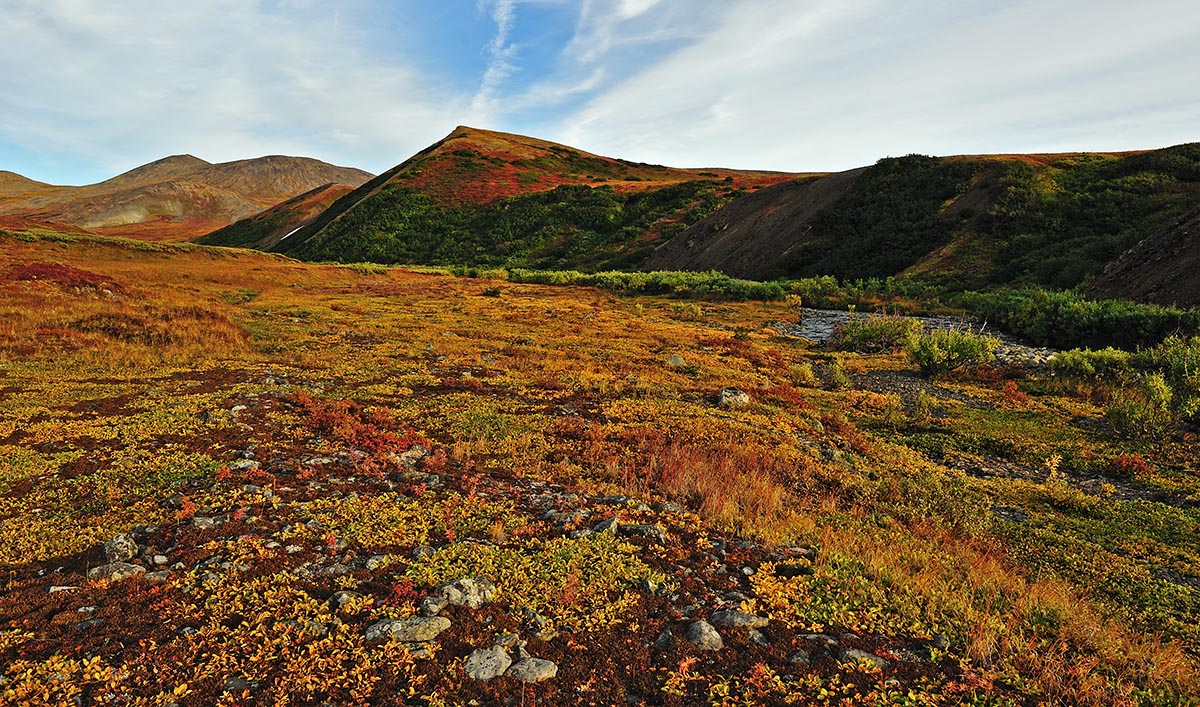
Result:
[940,351]
[1145,411]
[875,333]
[839,378]
[1108,365]
[1177,361]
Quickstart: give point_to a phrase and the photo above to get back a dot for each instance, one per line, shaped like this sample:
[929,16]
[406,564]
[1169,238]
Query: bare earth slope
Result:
[176,198]
[1164,268]
[266,229]
[747,237]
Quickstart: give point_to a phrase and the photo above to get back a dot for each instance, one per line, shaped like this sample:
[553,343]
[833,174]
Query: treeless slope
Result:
[178,197]
[749,236]
[1164,268]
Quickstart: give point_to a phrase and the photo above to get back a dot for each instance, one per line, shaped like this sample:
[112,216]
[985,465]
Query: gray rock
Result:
[415,453]
[433,605]
[854,655]
[652,532]
[533,670]
[115,571]
[422,551]
[733,398]
[758,638]
[121,548]
[608,525]
[236,686]
[580,534]
[61,588]
[244,465]
[411,629]
[799,657]
[664,640]
[341,598]
[941,642]
[738,619]
[676,361]
[471,592]
[374,562]
[487,663]
[159,576]
[702,635]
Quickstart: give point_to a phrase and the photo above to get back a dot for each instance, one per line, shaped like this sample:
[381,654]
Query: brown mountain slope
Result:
[748,236]
[267,228]
[177,198]
[1164,268]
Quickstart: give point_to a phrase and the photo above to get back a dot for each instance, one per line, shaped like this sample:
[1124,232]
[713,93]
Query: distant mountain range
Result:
[176,198]
[1115,224]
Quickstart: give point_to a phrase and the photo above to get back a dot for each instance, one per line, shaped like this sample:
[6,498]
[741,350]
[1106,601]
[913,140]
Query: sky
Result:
[91,88]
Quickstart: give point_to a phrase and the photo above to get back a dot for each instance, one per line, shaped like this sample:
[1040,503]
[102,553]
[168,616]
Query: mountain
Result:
[966,221]
[175,198]
[485,197]
[266,229]
[1164,268]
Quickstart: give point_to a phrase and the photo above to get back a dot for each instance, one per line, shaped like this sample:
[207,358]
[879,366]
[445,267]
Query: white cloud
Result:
[838,83]
[501,55]
[118,84]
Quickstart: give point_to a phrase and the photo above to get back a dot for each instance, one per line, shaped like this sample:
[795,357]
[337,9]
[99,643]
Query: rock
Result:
[854,655]
[608,525]
[415,453]
[121,548]
[758,638]
[668,507]
[676,361]
[533,670]
[343,597]
[702,635]
[433,605]
[580,534]
[799,657]
[160,576]
[733,398]
[115,571]
[422,551]
[412,629]
[61,588]
[941,642]
[471,592]
[204,523]
[173,502]
[487,663]
[652,532]
[236,686]
[789,570]
[664,640]
[244,465]
[736,619]
[374,562]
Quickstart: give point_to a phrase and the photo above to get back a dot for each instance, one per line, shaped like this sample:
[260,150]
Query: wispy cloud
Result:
[501,54]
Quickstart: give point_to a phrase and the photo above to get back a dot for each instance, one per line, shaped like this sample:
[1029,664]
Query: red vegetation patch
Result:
[1130,466]
[845,430]
[369,429]
[64,276]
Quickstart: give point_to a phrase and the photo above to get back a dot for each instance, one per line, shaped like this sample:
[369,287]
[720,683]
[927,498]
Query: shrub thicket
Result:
[940,351]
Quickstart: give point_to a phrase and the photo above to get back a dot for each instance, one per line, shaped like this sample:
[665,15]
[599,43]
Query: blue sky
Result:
[90,88]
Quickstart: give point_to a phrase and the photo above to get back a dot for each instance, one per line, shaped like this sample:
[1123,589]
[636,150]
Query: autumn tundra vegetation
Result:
[511,461]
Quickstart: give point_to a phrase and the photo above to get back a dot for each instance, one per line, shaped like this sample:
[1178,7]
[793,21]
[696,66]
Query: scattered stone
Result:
[941,642]
[758,638]
[508,640]
[854,655]
[160,576]
[533,670]
[702,635]
[115,571]
[668,507]
[411,629]
[293,549]
[580,534]
[789,570]
[173,502]
[664,640]
[236,686]
[651,532]
[423,551]
[608,525]
[471,592]
[204,523]
[733,398]
[160,559]
[415,453]
[736,619]
[799,657]
[433,605]
[343,597]
[244,465]
[121,548]
[676,361]
[374,562]
[57,589]
[487,663]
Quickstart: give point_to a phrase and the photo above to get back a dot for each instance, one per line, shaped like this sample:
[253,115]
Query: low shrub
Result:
[878,332]
[940,351]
